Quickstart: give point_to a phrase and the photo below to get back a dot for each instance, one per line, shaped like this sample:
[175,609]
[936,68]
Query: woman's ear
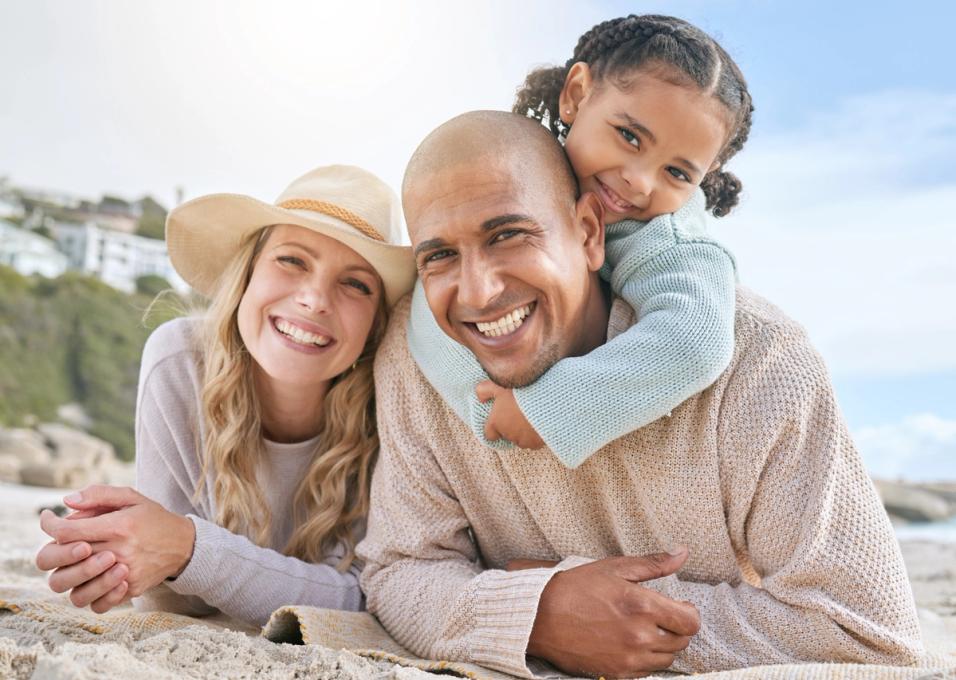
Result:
[589,217]
[577,86]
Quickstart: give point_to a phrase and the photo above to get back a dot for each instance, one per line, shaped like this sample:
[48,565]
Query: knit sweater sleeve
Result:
[226,571]
[422,576]
[801,510]
[681,285]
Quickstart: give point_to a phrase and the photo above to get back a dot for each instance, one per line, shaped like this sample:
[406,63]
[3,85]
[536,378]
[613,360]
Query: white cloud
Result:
[918,448]
[849,223]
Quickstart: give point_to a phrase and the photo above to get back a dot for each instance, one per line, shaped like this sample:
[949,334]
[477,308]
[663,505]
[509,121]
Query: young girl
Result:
[649,108]
[255,425]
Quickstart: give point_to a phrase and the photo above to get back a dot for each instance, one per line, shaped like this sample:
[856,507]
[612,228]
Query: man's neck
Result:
[597,313]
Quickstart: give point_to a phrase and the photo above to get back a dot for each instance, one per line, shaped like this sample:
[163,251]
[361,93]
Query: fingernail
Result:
[118,571]
[80,550]
[75,497]
[105,558]
[677,550]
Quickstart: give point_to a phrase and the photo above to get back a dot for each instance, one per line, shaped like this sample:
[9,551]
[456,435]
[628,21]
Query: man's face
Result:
[507,266]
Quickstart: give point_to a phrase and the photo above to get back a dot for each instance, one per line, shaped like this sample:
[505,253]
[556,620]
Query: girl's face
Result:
[308,308]
[643,151]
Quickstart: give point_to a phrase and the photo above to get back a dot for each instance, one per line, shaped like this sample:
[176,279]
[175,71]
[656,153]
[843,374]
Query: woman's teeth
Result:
[300,336]
[507,324]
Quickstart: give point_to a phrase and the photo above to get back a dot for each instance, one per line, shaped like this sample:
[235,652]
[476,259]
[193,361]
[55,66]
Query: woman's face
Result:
[308,308]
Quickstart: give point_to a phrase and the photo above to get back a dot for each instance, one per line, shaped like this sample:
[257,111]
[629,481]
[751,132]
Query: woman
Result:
[255,424]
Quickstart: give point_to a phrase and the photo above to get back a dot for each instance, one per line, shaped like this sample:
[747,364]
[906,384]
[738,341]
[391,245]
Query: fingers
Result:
[639,568]
[111,599]
[101,495]
[669,642]
[75,575]
[486,390]
[100,586]
[53,555]
[679,618]
[92,529]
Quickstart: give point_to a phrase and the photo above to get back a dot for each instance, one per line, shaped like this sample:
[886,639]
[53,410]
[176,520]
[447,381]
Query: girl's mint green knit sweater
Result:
[681,284]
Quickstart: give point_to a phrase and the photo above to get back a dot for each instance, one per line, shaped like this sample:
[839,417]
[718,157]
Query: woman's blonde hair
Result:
[332,499]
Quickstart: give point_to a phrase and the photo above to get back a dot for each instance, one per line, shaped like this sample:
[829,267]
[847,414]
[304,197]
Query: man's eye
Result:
[437,255]
[629,137]
[505,235]
[679,174]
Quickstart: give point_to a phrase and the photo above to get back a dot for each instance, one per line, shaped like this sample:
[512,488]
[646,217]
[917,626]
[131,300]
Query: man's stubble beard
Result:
[545,359]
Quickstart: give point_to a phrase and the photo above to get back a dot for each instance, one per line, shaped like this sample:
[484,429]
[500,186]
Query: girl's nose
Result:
[638,178]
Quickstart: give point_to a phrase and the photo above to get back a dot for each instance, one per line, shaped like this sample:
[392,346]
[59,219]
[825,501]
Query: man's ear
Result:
[577,86]
[589,218]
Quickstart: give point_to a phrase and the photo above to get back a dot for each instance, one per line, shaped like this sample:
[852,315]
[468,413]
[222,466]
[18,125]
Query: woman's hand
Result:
[121,527]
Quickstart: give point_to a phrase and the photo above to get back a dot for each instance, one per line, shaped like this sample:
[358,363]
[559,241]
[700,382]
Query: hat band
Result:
[333,210]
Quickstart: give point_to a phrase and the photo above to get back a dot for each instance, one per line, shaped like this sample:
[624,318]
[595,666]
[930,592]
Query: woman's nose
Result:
[314,297]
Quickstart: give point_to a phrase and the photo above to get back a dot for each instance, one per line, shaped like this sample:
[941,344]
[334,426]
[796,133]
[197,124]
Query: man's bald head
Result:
[522,144]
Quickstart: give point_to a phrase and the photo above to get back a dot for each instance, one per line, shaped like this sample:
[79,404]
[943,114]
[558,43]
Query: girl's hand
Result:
[141,536]
[506,421]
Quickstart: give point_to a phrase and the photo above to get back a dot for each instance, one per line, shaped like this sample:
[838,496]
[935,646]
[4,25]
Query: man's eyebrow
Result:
[501,220]
[428,244]
[635,124]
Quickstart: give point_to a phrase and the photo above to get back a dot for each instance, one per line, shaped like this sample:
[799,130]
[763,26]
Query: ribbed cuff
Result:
[507,604]
[203,567]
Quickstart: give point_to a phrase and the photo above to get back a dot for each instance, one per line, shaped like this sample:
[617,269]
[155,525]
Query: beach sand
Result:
[32,651]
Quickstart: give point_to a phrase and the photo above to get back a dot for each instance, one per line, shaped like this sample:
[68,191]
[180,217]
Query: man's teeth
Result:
[509,323]
[301,336]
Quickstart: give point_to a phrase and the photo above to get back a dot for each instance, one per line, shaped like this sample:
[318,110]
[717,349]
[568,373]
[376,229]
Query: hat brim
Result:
[204,234]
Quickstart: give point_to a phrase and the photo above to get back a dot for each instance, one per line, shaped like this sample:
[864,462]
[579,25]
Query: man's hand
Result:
[597,620]
[506,421]
[113,526]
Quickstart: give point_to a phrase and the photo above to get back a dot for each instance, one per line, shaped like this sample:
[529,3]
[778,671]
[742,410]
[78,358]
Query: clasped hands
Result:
[116,544]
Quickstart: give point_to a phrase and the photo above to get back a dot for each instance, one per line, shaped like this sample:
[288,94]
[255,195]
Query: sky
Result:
[847,216]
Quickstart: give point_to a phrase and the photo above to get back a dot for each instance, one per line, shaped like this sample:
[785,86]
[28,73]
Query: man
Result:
[779,548]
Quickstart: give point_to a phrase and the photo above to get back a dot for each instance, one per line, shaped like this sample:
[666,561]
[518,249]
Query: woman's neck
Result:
[289,412]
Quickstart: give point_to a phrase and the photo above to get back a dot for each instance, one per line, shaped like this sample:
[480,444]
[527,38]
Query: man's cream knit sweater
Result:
[792,557]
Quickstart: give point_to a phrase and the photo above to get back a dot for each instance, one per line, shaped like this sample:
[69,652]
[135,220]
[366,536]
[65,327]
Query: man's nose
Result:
[479,283]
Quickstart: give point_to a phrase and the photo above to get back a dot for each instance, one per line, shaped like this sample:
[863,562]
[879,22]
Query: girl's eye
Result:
[291,259]
[678,174]
[629,137]
[358,285]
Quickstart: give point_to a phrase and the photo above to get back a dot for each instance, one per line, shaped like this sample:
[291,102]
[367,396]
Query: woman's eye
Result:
[358,285]
[629,137]
[291,259]
[679,174]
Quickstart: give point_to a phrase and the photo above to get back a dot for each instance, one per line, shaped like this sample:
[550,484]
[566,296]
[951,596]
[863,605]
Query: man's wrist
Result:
[187,536]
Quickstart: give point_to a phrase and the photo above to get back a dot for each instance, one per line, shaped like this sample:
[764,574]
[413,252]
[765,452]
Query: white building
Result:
[115,257]
[29,253]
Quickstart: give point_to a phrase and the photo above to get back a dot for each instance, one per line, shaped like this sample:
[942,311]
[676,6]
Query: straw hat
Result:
[343,202]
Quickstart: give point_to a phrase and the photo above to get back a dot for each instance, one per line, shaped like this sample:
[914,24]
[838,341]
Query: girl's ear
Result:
[577,86]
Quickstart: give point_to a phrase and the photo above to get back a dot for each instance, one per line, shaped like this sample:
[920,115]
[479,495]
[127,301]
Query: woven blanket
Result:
[43,635]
